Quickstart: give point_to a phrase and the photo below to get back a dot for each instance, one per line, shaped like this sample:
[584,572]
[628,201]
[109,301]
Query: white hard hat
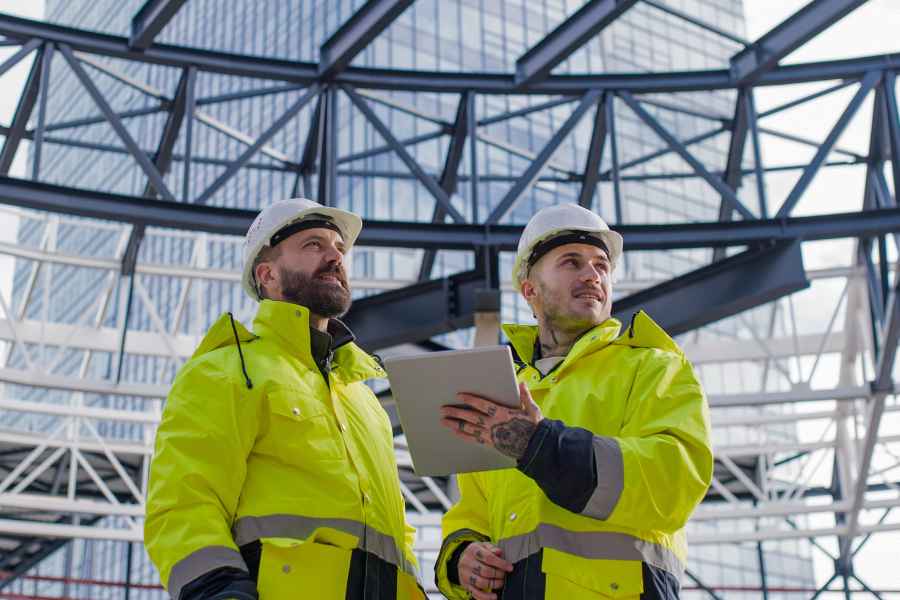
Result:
[558,220]
[278,216]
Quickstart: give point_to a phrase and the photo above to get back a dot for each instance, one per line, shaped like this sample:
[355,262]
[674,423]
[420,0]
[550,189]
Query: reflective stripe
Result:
[610,478]
[608,545]
[250,529]
[201,562]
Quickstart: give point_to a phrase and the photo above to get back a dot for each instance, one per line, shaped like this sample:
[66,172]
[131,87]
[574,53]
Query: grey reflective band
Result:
[610,478]
[201,562]
[604,545]
[250,529]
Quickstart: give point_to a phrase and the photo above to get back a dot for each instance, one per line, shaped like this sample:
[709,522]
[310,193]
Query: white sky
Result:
[871,29]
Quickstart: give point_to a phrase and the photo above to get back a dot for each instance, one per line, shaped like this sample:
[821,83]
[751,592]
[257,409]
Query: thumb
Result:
[526,403]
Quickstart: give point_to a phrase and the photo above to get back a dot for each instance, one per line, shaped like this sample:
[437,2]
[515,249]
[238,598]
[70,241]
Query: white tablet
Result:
[423,383]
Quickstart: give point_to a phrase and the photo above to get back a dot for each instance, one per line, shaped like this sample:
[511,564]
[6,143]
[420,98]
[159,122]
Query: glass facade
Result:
[446,35]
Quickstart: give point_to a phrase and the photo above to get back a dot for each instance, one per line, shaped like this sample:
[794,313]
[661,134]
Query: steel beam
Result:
[304,74]
[720,290]
[163,157]
[893,128]
[450,174]
[740,125]
[571,34]
[749,64]
[395,234]
[25,107]
[139,156]
[440,196]
[356,33]
[868,82]
[21,53]
[44,93]
[538,165]
[150,20]
[727,193]
[264,137]
[417,312]
[595,155]
[326,148]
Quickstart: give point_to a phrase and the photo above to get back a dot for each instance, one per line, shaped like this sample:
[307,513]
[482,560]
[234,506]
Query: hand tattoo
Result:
[477,569]
[491,410]
[472,580]
[512,437]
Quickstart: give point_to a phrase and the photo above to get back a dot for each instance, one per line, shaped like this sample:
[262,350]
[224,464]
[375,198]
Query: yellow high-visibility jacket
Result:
[636,405]
[256,445]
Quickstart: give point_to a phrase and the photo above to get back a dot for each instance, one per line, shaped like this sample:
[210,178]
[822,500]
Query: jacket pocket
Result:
[303,570]
[301,429]
[572,577]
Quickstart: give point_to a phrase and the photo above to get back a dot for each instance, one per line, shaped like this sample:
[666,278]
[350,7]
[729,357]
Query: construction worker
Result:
[611,440]
[274,474]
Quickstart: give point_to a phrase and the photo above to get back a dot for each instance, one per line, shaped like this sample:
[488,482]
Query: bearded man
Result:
[274,475]
[611,440]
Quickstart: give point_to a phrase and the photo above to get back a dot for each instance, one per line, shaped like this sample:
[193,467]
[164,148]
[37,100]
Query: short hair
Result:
[265,254]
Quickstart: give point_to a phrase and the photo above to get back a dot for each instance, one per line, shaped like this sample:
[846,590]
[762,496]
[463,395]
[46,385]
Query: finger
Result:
[482,569]
[482,405]
[463,414]
[493,560]
[466,431]
[481,594]
[480,583]
[526,402]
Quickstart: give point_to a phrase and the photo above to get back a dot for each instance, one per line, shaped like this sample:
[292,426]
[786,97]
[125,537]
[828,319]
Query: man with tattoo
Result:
[611,440]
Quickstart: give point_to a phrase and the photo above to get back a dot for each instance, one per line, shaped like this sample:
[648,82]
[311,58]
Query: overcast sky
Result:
[871,29]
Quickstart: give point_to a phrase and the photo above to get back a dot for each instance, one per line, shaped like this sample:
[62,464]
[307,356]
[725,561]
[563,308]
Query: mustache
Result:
[335,270]
[589,288]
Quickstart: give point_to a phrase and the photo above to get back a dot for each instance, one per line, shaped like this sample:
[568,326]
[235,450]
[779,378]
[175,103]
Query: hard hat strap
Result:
[566,237]
[308,223]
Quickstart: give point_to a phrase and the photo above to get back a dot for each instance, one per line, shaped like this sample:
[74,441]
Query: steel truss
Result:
[74,449]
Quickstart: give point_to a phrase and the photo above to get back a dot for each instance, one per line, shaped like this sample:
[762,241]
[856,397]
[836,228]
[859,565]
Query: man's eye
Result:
[313,244]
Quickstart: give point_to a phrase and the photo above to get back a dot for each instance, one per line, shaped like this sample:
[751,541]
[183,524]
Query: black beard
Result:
[323,299]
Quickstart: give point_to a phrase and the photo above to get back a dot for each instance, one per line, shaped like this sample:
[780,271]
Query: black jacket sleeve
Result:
[561,461]
[225,583]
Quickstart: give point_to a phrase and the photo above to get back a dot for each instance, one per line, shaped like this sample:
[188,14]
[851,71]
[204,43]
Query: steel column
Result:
[450,174]
[595,155]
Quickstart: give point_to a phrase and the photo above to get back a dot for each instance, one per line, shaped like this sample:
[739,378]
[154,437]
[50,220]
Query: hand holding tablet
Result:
[423,384]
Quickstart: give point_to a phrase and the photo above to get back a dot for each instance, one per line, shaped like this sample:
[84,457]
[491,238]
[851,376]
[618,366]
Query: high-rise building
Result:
[445,35]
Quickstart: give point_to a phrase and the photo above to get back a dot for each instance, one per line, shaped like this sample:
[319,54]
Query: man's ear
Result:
[265,274]
[528,290]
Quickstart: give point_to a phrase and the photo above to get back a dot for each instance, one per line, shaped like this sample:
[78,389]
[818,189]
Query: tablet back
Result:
[422,383]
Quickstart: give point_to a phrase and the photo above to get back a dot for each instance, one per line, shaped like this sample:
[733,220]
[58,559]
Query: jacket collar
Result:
[288,326]
[643,332]
[524,338]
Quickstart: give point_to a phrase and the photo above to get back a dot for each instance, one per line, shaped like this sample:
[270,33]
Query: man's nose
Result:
[334,256]
[591,273]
